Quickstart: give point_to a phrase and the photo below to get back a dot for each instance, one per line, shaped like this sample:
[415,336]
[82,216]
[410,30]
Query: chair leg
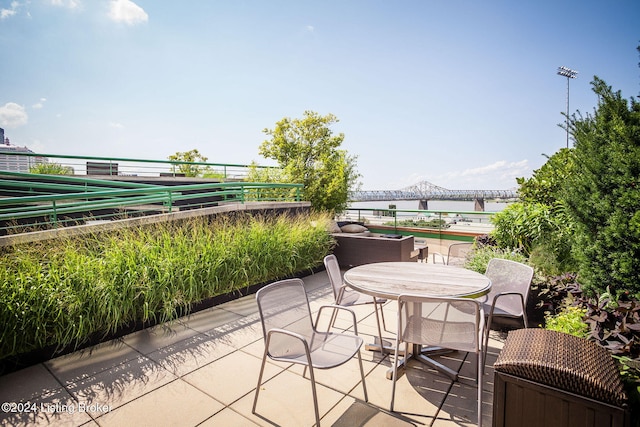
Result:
[395,373]
[364,386]
[255,399]
[479,375]
[315,394]
[486,340]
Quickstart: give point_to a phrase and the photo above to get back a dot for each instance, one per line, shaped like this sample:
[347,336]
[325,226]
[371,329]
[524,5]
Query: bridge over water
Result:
[425,191]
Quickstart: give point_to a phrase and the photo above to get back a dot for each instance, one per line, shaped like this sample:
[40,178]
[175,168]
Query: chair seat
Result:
[351,297]
[503,312]
[327,350]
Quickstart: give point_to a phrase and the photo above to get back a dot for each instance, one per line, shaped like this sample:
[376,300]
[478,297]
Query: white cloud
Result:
[13,9]
[69,4]
[12,115]
[496,176]
[500,175]
[116,125]
[40,104]
[127,12]
[310,28]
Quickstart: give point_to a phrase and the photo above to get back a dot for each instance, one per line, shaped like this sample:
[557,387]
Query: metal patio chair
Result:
[452,323]
[346,297]
[290,335]
[456,254]
[510,284]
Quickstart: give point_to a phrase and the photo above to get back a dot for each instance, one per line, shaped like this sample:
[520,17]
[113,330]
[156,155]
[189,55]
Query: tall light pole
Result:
[569,74]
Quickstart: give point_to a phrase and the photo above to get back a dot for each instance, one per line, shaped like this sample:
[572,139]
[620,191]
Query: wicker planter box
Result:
[550,379]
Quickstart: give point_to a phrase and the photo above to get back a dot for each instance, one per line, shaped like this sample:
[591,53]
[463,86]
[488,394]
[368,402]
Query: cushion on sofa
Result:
[353,228]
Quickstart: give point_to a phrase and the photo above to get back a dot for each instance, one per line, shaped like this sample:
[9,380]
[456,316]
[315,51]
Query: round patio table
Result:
[392,279]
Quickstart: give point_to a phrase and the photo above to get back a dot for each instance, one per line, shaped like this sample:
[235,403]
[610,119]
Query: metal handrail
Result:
[50,206]
[163,165]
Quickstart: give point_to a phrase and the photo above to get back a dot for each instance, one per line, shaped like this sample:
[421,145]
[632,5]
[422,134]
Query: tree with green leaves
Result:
[51,168]
[185,163]
[603,197]
[539,224]
[308,153]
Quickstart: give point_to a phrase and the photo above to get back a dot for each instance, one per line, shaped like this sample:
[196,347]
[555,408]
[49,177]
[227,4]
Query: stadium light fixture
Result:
[569,74]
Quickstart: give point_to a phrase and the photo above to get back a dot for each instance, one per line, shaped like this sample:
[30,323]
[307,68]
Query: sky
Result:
[462,93]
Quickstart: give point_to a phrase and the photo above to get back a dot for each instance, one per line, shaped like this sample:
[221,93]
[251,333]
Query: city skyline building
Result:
[12,162]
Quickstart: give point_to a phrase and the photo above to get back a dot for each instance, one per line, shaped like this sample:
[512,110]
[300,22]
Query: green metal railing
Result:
[114,166]
[54,200]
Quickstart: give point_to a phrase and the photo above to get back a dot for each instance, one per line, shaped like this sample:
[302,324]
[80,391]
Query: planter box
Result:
[357,249]
[550,379]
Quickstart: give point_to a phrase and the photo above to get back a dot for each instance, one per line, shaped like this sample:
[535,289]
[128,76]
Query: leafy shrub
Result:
[555,292]
[570,321]
[536,228]
[63,292]
[478,259]
[421,223]
[51,169]
[603,198]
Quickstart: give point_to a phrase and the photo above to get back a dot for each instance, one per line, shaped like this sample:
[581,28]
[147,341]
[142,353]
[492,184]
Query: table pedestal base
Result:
[422,355]
[387,346]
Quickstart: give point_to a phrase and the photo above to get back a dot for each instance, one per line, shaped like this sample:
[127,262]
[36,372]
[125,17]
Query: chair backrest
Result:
[454,323]
[457,253]
[284,305]
[509,276]
[335,276]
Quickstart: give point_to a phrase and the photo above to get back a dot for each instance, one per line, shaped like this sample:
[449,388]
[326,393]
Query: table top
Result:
[392,279]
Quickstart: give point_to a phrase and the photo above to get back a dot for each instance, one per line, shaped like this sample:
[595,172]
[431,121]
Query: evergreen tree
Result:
[603,196]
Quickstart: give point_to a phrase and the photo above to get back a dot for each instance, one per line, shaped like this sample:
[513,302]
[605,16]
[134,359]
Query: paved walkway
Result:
[202,371]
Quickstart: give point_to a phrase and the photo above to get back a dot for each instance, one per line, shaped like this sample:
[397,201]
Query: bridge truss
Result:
[427,191]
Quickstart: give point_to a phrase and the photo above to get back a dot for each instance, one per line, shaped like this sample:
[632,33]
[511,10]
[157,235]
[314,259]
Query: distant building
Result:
[15,162]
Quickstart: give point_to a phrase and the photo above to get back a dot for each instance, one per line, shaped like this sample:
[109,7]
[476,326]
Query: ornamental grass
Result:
[67,291]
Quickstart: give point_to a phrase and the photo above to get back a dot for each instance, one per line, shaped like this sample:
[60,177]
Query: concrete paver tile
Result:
[231,377]
[240,333]
[351,412]
[151,339]
[344,378]
[228,417]
[90,361]
[121,384]
[190,354]
[286,400]
[244,306]
[27,384]
[53,407]
[210,318]
[174,404]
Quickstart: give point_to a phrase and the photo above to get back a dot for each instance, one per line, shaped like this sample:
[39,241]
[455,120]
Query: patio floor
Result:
[202,371]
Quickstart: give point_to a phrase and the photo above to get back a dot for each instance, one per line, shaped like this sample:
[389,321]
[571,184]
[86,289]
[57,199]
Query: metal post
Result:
[569,74]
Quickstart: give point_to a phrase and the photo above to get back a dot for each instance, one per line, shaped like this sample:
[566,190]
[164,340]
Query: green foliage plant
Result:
[51,168]
[273,175]
[603,199]
[478,259]
[64,292]
[539,223]
[570,321]
[421,223]
[186,163]
[308,153]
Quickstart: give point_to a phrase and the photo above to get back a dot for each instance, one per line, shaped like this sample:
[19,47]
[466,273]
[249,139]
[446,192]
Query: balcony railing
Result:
[423,223]
[20,161]
[34,201]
